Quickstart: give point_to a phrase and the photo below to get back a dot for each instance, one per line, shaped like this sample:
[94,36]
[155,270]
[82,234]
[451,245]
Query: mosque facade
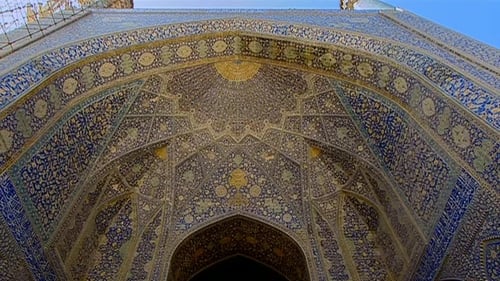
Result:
[342,144]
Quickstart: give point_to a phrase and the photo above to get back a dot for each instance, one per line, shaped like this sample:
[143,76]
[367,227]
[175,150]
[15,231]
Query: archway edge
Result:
[238,214]
[235,216]
[236,256]
[52,61]
[493,134]
[300,61]
[298,56]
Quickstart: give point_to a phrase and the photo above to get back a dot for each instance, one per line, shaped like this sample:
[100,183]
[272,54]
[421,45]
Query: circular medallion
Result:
[69,85]
[400,85]
[188,219]
[40,109]
[327,60]
[428,107]
[290,52]
[107,69]
[220,191]
[237,71]
[155,181]
[184,51]
[5,140]
[255,47]
[255,191]
[461,136]
[365,69]
[146,59]
[219,46]
[287,218]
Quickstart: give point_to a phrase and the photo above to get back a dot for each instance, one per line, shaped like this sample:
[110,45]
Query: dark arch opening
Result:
[238,268]
[243,241]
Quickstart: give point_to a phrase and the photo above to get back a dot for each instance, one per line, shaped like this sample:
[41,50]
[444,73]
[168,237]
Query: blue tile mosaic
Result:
[18,222]
[423,173]
[455,209]
[50,171]
[416,132]
[487,54]
[405,55]
[369,22]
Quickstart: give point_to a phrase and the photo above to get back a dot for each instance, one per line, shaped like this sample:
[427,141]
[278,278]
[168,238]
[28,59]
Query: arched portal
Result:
[238,267]
[297,116]
[238,236]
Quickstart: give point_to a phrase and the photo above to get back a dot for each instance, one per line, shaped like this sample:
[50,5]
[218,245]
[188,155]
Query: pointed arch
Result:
[238,234]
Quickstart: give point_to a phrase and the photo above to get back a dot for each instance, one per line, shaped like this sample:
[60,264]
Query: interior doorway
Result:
[239,268]
[238,248]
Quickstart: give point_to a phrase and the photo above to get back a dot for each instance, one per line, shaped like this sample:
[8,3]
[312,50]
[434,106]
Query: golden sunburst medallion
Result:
[236,70]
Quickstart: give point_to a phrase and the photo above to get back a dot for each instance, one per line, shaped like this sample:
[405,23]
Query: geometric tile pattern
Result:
[484,53]
[247,237]
[421,173]
[22,231]
[65,153]
[357,228]
[145,251]
[458,132]
[12,261]
[472,255]
[217,171]
[331,252]
[265,92]
[255,171]
[461,196]
[204,178]
[447,121]
[237,183]
[398,26]
[313,140]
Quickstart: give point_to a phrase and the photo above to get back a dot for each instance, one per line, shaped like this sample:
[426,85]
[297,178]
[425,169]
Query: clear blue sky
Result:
[479,19]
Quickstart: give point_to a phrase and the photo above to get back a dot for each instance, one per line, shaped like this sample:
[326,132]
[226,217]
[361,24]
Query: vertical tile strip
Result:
[18,223]
[454,211]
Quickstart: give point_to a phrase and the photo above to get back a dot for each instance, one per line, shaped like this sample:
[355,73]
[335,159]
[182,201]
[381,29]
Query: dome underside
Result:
[348,156]
[196,145]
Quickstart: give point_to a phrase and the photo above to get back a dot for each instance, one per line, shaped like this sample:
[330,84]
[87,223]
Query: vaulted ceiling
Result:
[338,163]
[237,137]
